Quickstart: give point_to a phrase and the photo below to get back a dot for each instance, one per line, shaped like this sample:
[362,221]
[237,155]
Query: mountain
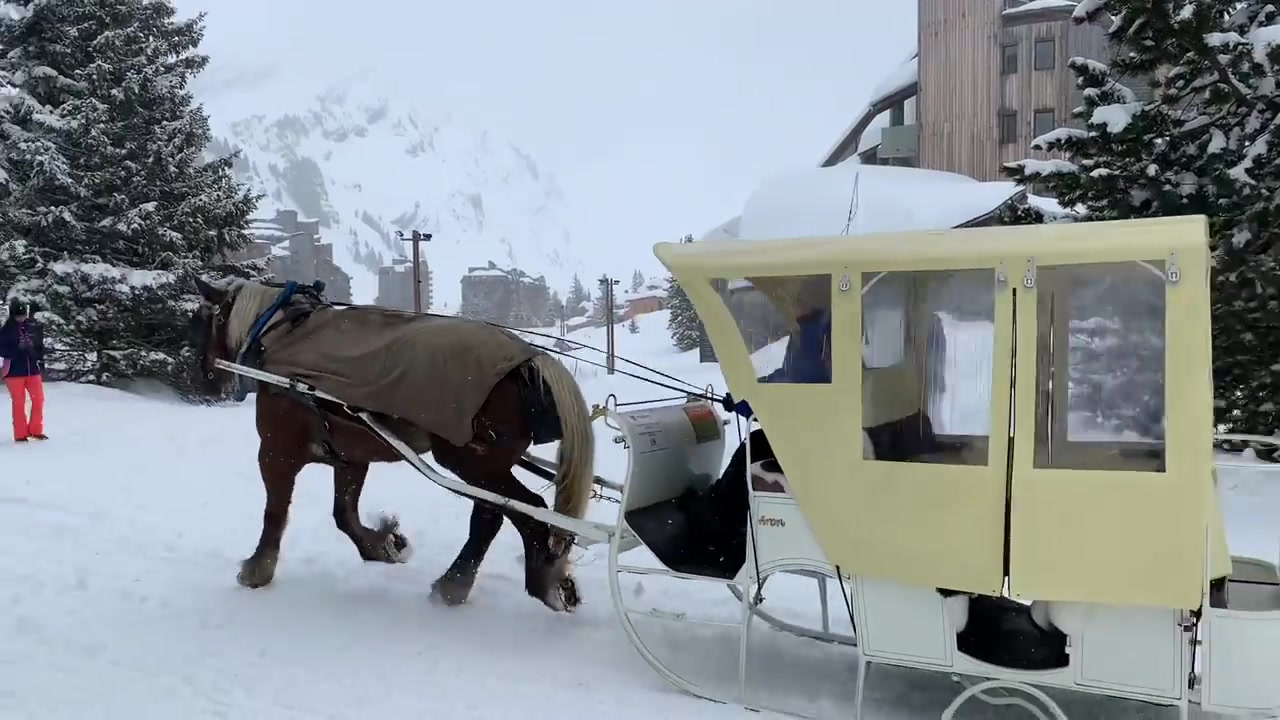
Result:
[366,165]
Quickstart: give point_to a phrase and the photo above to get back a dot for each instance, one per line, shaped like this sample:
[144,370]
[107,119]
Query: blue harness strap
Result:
[245,385]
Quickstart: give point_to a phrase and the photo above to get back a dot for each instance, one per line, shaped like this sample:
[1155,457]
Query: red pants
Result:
[19,389]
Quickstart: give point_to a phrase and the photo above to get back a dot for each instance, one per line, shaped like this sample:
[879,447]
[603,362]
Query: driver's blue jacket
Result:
[807,360]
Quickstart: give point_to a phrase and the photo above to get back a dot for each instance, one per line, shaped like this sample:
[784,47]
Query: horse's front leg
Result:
[384,544]
[279,467]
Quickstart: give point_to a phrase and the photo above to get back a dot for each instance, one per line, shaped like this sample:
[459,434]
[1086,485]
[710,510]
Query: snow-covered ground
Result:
[122,535]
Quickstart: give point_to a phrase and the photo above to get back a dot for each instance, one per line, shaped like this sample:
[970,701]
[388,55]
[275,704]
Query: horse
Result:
[295,430]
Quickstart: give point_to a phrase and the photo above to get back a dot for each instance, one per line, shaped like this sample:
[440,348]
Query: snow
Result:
[902,77]
[125,279]
[122,537]
[1040,5]
[1116,116]
[815,202]
[1053,166]
[1056,136]
[1085,9]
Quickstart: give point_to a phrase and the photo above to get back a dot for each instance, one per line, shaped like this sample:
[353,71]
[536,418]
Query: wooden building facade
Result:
[991,76]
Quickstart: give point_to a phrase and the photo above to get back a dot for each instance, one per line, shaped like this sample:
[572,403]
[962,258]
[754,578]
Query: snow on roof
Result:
[1035,5]
[903,76]
[815,202]
[641,294]
[908,74]
[488,272]
[727,230]
[871,136]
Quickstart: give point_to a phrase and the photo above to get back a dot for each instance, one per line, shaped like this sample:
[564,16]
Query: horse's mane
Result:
[250,299]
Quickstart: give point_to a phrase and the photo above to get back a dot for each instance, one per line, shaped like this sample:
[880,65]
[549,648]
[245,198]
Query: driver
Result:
[806,361]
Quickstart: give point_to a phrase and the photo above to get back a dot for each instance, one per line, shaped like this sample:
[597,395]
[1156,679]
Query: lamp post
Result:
[417,238]
[606,286]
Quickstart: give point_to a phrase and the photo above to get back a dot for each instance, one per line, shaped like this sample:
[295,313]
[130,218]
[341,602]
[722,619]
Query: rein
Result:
[315,290]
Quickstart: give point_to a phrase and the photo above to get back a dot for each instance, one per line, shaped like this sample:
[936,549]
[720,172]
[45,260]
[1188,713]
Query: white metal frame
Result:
[791,550]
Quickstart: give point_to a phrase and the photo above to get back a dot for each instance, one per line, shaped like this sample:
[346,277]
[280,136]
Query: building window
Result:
[1044,54]
[897,115]
[1044,122]
[1009,59]
[1008,127]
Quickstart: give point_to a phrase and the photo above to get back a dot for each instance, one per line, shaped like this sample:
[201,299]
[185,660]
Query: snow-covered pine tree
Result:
[682,321]
[578,295]
[1203,145]
[551,318]
[135,206]
[637,281]
[600,313]
[632,326]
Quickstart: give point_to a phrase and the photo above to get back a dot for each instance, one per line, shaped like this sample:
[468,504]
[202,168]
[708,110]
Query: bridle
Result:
[212,329]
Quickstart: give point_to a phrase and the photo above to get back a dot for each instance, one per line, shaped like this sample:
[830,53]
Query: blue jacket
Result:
[23,361]
[806,360]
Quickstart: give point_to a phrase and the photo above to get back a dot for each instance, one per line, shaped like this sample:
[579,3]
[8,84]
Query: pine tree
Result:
[632,326]
[599,310]
[577,296]
[637,281]
[552,316]
[682,322]
[114,225]
[1202,145]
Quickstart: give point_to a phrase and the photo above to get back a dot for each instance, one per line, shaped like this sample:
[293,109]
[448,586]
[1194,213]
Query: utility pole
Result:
[606,287]
[417,238]
[564,325]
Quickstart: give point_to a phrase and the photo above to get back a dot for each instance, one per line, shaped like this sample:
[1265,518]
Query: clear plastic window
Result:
[928,340]
[785,323]
[1100,362]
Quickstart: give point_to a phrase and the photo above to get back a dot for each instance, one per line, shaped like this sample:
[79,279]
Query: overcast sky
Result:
[657,116]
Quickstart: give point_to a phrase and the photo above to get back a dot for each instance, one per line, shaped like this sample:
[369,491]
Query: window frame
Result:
[1052,43]
[1010,116]
[1035,121]
[1009,63]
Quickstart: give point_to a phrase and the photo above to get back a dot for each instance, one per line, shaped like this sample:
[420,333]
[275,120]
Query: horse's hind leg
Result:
[385,544]
[454,586]
[279,469]
[546,574]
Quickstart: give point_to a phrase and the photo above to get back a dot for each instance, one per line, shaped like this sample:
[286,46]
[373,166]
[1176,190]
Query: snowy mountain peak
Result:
[366,165]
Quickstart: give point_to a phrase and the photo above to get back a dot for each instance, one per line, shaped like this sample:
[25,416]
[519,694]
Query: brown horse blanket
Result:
[430,371]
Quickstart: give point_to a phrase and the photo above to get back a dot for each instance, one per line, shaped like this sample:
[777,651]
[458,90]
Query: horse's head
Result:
[209,337]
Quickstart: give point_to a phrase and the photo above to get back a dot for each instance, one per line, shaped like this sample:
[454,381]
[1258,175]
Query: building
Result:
[395,285]
[507,296]
[987,77]
[651,298]
[293,251]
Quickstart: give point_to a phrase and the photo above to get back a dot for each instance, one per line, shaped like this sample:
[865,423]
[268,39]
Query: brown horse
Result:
[296,430]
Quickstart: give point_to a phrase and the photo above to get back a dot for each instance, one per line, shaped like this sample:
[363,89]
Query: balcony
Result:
[899,141]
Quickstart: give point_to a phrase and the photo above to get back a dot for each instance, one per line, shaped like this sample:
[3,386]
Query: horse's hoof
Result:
[569,595]
[255,574]
[451,594]
[397,547]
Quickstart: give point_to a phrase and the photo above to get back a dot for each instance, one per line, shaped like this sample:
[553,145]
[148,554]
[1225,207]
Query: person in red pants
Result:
[22,348]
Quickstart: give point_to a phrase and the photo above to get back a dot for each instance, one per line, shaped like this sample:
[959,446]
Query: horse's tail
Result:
[576,460]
